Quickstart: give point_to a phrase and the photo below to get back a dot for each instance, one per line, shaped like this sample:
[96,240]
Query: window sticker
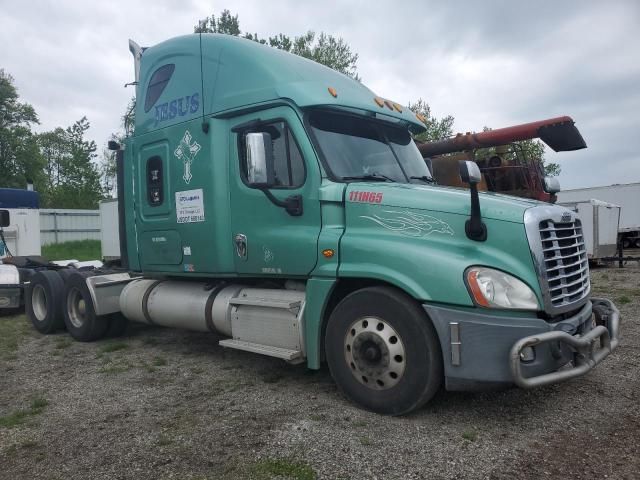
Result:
[190,206]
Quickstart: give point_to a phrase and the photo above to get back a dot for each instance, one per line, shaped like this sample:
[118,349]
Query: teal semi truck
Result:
[286,207]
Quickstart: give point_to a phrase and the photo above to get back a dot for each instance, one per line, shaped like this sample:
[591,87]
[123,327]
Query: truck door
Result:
[267,240]
[174,193]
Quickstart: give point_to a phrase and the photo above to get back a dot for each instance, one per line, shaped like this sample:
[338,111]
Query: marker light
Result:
[379,101]
[397,107]
[333,92]
[328,253]
[421,117]
[495,289]
[388,104]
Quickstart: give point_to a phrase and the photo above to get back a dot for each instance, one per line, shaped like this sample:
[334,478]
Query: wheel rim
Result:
[76,307]
[39,302]
[374,353]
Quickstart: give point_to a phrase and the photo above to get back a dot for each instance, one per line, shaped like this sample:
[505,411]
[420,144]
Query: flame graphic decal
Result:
[411,224]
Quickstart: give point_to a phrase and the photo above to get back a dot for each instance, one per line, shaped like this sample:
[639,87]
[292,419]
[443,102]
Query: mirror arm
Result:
[474,227]
[292,204]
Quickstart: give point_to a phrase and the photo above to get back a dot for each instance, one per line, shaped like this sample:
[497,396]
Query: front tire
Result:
[79,313]
[383,352]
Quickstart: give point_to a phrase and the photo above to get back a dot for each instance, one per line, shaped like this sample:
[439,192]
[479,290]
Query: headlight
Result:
[495,289]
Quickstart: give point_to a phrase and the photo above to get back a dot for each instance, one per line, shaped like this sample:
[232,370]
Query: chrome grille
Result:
[565,263]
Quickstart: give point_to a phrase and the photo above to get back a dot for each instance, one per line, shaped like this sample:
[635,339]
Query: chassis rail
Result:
[586,355]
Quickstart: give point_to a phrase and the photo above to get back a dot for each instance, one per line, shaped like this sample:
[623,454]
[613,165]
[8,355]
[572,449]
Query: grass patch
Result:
[62,343]
[13,330]
[623,300]
[19,417]
[470,435]
[159,361]
[113,347]
[115,368]
[38,404]
[284,468]
[366,441]
[77,249]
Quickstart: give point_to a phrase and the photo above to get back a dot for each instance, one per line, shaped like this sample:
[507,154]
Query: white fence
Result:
[63,225]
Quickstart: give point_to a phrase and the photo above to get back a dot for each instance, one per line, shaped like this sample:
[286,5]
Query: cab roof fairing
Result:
[238,72]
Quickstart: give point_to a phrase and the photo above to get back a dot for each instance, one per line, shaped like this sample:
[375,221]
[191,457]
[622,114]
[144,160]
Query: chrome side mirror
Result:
[259,156]
[470,172]
[551,185]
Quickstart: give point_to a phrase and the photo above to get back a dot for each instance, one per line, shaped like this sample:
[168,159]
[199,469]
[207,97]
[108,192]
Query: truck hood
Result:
[439,199]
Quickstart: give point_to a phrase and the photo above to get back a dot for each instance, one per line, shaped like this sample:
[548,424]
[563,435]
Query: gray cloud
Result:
[493,63]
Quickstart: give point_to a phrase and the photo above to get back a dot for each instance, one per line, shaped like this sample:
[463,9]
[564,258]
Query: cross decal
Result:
[187,151]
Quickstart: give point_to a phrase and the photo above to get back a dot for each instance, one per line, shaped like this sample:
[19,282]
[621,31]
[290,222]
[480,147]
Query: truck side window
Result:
[157,84]
[288,162]
[155,190]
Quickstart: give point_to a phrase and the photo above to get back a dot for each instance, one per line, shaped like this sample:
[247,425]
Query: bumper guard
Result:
[586,356]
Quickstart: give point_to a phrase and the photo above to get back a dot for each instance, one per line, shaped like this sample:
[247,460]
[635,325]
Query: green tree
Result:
[323,48]
[437,129]
[72,176]
[20,160]
[551,169]
[227,24]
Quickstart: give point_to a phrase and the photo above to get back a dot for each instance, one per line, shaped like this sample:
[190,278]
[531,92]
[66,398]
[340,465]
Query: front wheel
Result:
[383,351]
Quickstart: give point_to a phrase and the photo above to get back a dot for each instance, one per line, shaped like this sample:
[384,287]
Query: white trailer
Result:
[599,226]
[627,196]
[22,236]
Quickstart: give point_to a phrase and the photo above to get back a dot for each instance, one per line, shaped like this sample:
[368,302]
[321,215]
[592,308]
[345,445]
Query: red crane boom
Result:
[559,133]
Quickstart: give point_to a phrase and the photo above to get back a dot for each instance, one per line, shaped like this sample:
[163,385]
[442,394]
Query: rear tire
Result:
[383,351]
[637,243]
[626,243]
[79,313]
[44,300]
[65,273]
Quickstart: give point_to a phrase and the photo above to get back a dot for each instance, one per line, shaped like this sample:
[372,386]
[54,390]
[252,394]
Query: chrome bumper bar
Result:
[586,354]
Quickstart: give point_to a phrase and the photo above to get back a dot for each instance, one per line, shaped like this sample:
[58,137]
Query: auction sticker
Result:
[190,206]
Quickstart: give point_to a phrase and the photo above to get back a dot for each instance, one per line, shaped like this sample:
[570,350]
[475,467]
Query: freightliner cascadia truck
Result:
[285,207]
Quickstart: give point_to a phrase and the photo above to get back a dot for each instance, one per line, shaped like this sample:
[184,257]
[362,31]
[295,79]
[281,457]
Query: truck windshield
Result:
[356,148]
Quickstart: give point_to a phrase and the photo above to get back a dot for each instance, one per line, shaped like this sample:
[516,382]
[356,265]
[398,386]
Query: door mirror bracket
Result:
[474,227]
[292,204]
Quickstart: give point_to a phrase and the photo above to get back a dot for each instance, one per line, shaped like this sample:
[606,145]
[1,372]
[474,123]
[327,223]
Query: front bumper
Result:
[481,349]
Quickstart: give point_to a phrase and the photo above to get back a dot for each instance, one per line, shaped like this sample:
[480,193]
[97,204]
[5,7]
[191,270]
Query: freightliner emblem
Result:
[187,151]
[566,217]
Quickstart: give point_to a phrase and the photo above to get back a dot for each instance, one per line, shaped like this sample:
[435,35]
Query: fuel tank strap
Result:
[208,314]
[145,299]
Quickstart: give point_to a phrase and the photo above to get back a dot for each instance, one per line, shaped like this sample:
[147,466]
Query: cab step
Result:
[293,356]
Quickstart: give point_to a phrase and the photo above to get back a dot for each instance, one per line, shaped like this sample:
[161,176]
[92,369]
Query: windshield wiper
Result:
[424,178]
[377,177]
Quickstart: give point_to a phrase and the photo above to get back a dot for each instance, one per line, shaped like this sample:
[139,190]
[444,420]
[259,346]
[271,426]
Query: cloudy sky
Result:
[494,63]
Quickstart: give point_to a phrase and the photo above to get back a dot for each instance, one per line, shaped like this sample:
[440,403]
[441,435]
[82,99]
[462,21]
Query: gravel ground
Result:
[161,403]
